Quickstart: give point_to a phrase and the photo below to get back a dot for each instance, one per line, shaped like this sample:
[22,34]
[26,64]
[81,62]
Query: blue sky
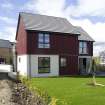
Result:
[89,14]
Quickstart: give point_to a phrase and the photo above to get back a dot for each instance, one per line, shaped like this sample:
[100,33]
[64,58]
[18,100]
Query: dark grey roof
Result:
[5,44]
[52,24]
[83,34]
[46,23]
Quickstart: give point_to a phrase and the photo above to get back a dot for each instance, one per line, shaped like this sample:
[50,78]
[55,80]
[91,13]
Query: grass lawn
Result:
[73,90]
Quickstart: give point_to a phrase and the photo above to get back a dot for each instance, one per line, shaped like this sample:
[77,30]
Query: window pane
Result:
[44,70]
[46,38]
[84,50]
[41,39]
[46,62]
[63,62]
[82,47]
[46,45]
[43,64]
[80,50]
[85,44]
[40,45]
[80,44]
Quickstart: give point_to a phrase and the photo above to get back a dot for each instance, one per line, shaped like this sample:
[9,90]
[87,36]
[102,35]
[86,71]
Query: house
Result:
[51,46]
[5,51]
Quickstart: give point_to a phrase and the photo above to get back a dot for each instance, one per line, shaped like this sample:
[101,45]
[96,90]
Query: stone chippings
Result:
[23,96]
[6,92]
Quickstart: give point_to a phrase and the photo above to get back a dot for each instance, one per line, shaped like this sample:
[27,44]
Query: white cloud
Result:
[52,7]
[8,33]
[99,47]
[46,7]
[30,5]
[97,50]
[0,34]
[96,31]
[87,7]
[4,35]
[57,7]
[7,5]
[11,32]
[7,20]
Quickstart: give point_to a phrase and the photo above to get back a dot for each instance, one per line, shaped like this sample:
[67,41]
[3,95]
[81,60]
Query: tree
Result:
[94,74]
[102,57]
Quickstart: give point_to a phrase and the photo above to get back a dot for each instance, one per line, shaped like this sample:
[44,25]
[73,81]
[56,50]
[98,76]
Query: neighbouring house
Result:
[5,51]
[51,46]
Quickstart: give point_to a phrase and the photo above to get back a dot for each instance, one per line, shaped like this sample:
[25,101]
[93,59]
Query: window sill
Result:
[43,48]
[83,53]
[43,72]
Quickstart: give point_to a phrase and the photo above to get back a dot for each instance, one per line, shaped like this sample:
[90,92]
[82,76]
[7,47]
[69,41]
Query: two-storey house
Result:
[51,46]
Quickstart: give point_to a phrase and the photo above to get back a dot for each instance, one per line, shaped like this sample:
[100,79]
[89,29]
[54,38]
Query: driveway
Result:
[3,76]
[5,90]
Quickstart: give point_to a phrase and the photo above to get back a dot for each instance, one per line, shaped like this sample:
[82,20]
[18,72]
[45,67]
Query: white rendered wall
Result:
[22,65]
[28,65]
[54,66]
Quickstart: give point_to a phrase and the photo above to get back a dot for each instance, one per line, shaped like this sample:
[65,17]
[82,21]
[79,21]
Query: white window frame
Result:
[43,40]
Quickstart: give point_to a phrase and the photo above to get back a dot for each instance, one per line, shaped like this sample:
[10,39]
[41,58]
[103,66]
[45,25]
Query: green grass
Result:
[72,90]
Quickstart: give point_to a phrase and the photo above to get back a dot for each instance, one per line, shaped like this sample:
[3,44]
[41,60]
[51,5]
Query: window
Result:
[63,62]
[43,40]
[43,64]
[82,47]
[2,60]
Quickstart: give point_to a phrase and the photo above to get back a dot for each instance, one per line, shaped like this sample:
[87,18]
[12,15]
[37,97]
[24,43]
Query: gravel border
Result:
[23,96]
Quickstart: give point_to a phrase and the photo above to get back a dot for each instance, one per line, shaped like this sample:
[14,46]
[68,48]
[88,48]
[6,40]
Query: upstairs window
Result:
[43,40]
[82,47]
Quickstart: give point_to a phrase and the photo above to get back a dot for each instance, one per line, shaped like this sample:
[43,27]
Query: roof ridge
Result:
[43,15]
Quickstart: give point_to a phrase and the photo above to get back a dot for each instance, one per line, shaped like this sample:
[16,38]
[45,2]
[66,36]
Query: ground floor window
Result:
[63,62]
[43,64]
[2,60]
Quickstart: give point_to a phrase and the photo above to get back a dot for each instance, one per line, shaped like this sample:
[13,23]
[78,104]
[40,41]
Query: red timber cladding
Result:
[72,66]
[89,49]
[61,44]
[21,37]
